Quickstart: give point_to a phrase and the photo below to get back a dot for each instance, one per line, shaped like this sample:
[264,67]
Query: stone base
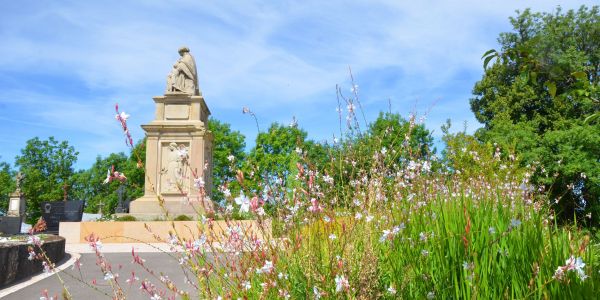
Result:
[10,225]
[149,206]
[138,232]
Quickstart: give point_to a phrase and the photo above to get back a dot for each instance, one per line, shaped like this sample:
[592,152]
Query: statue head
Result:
[183,50]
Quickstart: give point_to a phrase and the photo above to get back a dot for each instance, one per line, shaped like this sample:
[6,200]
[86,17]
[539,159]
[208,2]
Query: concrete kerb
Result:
[73,256]
[74,252]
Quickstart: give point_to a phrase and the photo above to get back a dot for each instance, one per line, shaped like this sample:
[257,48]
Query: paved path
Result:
[79,284]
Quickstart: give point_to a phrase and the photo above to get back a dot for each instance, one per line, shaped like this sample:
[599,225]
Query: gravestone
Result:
[178,147]
[61,211]
[10,225]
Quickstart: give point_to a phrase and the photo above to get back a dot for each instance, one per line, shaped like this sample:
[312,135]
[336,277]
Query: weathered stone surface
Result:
[14,262]
[10,225]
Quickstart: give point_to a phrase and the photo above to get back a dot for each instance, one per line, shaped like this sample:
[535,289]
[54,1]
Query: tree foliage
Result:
[538,97]
[89,184]
[228,156]
[273,159]
[48,168]
[7,185]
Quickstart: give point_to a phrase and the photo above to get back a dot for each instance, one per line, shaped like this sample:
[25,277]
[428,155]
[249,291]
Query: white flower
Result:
[31,255]
[260,211]
[246,285]
[576,264]
[230,158]
[199,182]
[391,290]
[316,292]
[515,223]
[430,295]
[243,202]
[299,151]
[369,218]
[358,216]
[341,283]
[155,296]
[267,268]
[122,116]
[34,240]
[107,180]
[492,230]
[332,236]
[384,236]
[108,276]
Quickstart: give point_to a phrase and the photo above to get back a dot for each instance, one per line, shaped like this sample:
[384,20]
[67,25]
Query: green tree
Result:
[7,185]
[88,185]
[273,159]
[537,98]
[228,156]
[48,167]
[403,139]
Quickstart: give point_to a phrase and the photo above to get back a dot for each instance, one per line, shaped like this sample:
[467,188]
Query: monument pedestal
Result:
[178,147]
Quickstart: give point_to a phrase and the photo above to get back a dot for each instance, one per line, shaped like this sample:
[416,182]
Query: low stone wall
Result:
[14,264]
[147,232]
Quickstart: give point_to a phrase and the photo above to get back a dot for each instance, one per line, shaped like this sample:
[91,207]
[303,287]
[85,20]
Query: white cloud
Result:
[280,58]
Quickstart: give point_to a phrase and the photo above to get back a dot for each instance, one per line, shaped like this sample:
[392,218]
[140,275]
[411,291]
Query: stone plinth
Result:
[178,147]
[136,231]
[16,205]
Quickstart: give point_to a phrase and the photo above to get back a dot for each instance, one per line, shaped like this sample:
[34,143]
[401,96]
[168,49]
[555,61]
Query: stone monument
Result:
[11,223]
[178,148]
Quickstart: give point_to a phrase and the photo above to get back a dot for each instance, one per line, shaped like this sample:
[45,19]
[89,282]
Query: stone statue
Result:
[184,77]
[19,181]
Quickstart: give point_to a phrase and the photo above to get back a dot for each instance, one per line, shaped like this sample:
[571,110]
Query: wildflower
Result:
[267,268]
[576,264]
[423,237]
[468,266]
[492,230]
[108,276]
[316,292]
[155,296]
[358,216]
[514,223]
[391,290]
[341,283]
[369,218]
[46,266]
[260,211]
[424,252]
[246,285]
[351,108]
[298,151]
[77,264]
[243,202]
[314,207]
[122,116]
[230,158]
[34,240]
[384,236]
[332,236]
[199,182]
[328,179]
[430,295]
[326,219]
[31,255]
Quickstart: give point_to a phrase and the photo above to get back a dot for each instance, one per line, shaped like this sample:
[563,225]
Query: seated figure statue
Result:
[183,76]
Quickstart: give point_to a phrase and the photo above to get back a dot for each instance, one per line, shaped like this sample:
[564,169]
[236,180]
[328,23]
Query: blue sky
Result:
[64,64]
